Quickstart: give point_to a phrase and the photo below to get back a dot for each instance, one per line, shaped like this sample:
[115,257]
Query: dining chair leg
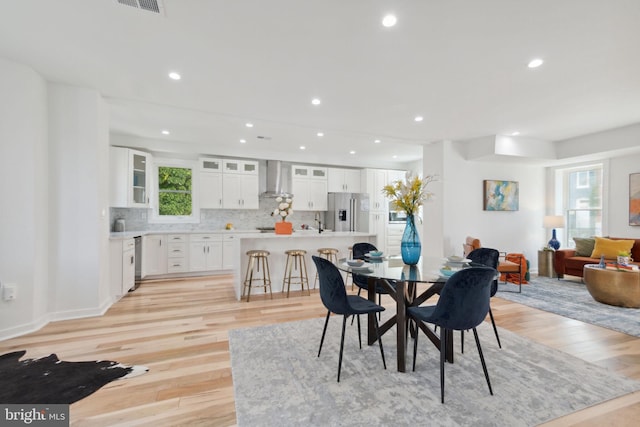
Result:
[344,325]
[324,331]
[494,328]
[359,336]
[359,290]
[462,342]
[415,346]
[484,365]
[443,351]
[384,363]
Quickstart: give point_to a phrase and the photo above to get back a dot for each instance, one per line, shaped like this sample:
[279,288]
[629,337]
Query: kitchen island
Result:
[276,244]
[190,253]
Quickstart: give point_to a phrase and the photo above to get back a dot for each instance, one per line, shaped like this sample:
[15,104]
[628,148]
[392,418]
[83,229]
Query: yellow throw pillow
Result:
[610,248]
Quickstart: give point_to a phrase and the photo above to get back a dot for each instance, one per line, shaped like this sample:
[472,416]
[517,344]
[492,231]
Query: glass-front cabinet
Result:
[140,171]
[130,172]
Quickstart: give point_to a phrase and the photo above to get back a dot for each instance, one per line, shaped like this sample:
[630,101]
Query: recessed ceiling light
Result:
[316,101]
[389,20]
[249,125]
[535,63]
[165,132]
[302,147]
[394,156]
[320,134]
[516,133]
[242,141]
[352,152]
[377,141]
[418,118]
[174,76]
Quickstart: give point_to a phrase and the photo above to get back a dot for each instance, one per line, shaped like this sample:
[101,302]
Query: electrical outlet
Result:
[9,292]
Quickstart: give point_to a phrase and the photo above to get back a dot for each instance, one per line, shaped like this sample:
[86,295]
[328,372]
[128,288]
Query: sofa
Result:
[572,261]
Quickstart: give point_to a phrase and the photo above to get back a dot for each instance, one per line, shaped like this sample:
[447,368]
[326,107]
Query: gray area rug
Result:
[572,299]
[279,381]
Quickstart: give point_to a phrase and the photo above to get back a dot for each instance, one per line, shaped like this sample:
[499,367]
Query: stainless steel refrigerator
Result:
[347,212]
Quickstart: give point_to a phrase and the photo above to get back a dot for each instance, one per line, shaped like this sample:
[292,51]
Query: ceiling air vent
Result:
[149,5]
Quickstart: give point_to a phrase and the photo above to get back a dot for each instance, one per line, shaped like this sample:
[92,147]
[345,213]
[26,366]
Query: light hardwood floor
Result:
[179,329]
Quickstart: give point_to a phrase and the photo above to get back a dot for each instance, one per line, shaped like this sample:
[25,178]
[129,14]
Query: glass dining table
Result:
[401,282]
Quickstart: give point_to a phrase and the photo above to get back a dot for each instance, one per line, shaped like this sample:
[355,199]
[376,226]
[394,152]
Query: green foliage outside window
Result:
[174,191]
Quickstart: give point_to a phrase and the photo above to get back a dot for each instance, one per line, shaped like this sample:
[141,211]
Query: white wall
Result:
[78,201]
[457,211]
[618,218]
[54,200]
[23,197]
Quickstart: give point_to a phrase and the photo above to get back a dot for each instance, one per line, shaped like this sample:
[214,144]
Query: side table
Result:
[546,264]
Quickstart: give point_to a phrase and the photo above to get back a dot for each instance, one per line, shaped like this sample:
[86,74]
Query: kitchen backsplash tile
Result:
[137,219]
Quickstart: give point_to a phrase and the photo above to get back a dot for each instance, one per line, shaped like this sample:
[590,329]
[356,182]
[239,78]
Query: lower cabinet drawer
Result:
[177,265]
[176,250]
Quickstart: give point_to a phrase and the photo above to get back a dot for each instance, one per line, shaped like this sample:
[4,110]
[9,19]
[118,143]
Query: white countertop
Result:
[253,234]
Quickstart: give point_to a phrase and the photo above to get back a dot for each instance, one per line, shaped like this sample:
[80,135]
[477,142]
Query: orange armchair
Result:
[512,267]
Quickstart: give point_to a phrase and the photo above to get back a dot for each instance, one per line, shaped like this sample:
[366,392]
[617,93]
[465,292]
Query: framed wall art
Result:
[500,195]
[634,199]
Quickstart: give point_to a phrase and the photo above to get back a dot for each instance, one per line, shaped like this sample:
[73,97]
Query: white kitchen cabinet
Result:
[240,191]
[122,266]
[210,183]
[309,187]
[343,180]
[310,172]
[128,265]
[309,194]
[394,237]
[244,167]
[395,175]
[205,252]
[154,255]
[229,252]
[375,180]
[130,174]
[378,226]
[240,184]
[177,254]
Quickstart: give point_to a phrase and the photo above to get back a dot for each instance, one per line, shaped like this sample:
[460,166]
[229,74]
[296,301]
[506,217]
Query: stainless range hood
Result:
[277,182]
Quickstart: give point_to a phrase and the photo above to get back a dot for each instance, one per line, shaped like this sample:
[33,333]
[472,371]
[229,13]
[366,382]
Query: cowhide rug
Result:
[49,380]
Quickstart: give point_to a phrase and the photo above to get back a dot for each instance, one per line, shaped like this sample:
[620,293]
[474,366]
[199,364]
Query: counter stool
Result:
[346,278]
[257,259]
[330,254]
[295,261]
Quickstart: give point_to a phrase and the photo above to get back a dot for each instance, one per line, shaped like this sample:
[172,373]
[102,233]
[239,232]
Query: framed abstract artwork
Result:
[500,195]
[634,199]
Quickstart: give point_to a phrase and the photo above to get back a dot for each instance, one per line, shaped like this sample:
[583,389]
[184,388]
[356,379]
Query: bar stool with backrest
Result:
[257,259]
[330,254]
[295,261]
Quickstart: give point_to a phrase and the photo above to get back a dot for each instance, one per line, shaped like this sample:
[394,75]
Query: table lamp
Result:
[553,222]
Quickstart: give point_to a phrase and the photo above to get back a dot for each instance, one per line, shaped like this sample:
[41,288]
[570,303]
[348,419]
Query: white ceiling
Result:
[461,64]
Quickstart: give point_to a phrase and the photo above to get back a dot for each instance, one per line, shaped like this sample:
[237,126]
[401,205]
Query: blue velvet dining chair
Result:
[334,297]
[491,258]
[463,305]
[359,250]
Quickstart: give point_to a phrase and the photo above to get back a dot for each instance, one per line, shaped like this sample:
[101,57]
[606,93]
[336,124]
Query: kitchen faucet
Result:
[317,220]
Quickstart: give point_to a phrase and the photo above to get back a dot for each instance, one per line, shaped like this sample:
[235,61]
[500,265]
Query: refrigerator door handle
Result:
[353,215]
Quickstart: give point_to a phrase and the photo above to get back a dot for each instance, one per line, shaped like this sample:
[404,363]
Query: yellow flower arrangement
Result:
[410,194]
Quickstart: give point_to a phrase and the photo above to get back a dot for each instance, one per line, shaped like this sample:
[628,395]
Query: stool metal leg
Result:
[287,273]
[249,280]
[267,278]
[303,275]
